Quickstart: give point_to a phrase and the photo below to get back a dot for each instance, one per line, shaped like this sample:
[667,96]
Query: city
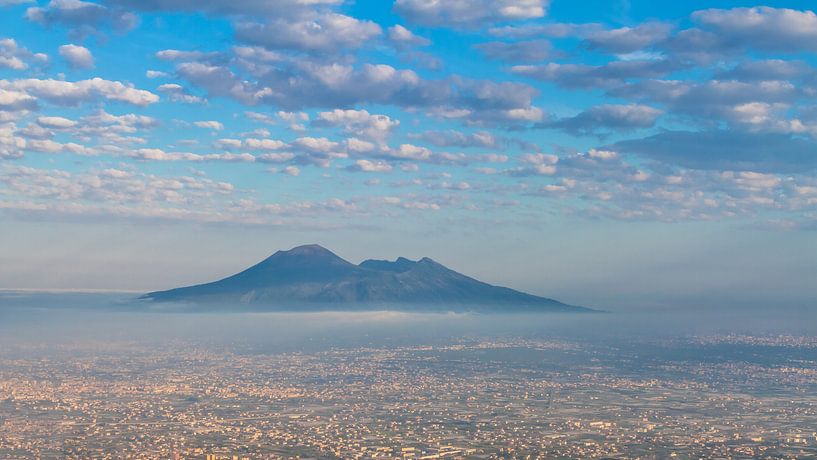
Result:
[500,398]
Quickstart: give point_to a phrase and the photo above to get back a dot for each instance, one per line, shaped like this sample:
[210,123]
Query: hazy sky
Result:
[602,152]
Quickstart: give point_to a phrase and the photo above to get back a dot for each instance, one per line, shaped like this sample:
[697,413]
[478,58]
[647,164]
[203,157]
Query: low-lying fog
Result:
[27,317]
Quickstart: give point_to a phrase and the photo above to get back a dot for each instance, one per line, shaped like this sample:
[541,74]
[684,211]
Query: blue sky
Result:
[609,153]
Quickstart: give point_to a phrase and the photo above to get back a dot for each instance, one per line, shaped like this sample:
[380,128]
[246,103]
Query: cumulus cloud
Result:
[275,157]
[279,8]
[15,57]
[178,93]
[264,144]
[155,74]
[73,93]
[55,122]
[8,58]
[77,57]
[609,118]
[452,138]
[610,75]
[16,101]
[410,152]
[318,151]
[359,123]
[370,166]
[629,39]
[82,17]
[312,84]
[228,144]
[50,146]
[153,154]
[291,171]
[209,124]
[520,51]
[468,13]
[761,27]
[294,119]
[726,150]
[766,69]
[550,30]
[114,192]
[404,37]
[92,134]
[11,145]
[534,164]
[102,123]
[180,55]
[329,32]
[714,99]
[316,144]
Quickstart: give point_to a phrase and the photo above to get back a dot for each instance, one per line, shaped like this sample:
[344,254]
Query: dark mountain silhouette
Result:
[310,278]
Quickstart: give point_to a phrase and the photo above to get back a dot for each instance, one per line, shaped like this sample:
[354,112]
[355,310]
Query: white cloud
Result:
[402,36]
[15,57]
[55,122]
[49,146]
[264,144]
[295,120]
[371,166]
[209,124]
[77,57]
[178,55]
[289,9]
[155,74]
[469,12]
[305,82]
[109,126]
[762,27]
[14,101]
[82,17]
[354,144]
[325,33]
[228,144]
[255,54]
[153,154]
[230,157]
[275,157]
[316,144]
[360,123]
[177,93]
[524,114]
[629,39]
[411,152]
[73,93]
[11,145]
[518,51]
[602,154]
[607,118]
[452,138]
[260,117]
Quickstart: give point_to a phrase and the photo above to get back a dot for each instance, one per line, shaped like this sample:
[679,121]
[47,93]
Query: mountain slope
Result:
[313,278]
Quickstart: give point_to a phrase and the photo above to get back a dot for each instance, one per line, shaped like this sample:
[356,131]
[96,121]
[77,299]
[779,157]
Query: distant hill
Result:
[312,278]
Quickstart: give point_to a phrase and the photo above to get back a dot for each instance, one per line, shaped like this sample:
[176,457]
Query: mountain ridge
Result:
[313,278]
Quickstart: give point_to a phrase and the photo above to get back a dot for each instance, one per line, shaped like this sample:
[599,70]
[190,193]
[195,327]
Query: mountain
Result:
[312,278]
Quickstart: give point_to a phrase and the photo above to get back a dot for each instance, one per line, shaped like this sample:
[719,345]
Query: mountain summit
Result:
[313,278]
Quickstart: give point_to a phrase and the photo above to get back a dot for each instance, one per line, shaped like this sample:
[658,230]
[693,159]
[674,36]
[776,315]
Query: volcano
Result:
[313,278]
